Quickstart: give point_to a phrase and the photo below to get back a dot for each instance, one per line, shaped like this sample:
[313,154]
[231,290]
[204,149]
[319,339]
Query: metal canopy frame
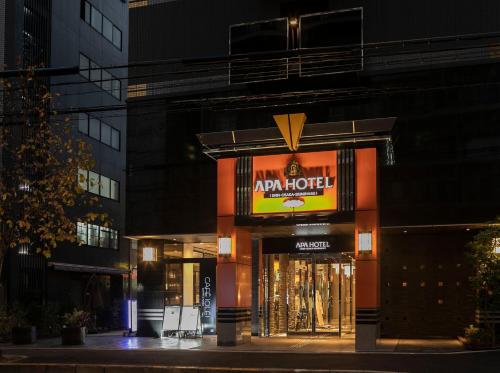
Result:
[316,135]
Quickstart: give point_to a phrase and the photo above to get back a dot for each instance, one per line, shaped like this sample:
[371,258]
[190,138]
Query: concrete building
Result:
[91,35]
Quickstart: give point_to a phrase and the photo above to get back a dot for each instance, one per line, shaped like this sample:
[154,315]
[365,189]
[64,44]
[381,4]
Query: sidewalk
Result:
[114,353]
[114,341]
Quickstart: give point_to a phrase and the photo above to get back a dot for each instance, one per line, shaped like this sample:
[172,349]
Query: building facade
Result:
[202,118]
[91,36]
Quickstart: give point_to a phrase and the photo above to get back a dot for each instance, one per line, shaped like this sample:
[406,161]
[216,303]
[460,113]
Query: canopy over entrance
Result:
[314,136]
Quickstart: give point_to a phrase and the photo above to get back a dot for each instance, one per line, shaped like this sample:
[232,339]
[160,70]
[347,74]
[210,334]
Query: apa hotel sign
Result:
[299,182]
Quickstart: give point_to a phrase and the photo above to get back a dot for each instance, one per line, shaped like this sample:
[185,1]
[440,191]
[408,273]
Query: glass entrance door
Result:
[308,294]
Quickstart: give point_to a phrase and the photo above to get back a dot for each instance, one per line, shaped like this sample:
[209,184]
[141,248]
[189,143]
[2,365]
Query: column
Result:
[367,291]
[234,271]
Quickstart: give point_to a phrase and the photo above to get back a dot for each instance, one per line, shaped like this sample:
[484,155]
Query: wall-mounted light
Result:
[224,246]
[365,242]
[294,22]
[148,254]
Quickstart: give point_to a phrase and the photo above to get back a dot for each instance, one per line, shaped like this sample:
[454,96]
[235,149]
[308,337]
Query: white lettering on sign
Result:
[206,300]
[301,183]
[312,245]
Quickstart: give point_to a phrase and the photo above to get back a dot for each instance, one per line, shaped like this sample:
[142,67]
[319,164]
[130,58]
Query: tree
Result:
[40,187]
[484,255]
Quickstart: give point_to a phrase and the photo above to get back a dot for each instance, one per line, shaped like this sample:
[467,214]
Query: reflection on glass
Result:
[308,294]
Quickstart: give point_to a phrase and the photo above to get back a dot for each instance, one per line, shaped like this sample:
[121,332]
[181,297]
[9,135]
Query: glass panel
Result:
[87,12]
[107,29]
[96,19]
[81,232]
[347,316]
[105,134]
[95,73]
[106,81]
[93,182]
[82,179]
[173,284]
[113,243]
[104,237]
[115,139]
[117,37]
[116,88]
[95,130]
[105,187]
[84,67]
[115,190]
[300,295]
[93,235]
[83,123]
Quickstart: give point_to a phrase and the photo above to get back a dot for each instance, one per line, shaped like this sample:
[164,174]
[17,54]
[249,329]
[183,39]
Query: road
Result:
[488,361]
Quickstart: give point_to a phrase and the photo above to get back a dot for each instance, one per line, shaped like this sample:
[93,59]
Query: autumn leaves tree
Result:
[40,196]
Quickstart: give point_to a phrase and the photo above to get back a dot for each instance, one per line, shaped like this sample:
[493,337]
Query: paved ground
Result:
[299,353]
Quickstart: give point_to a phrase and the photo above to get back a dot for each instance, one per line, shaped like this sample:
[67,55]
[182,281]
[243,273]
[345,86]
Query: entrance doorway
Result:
[308,294]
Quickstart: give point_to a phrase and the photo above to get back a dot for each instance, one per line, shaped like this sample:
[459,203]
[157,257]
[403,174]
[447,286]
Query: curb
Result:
[84,368]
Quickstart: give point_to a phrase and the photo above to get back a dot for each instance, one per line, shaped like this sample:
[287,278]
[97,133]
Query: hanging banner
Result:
[299,182]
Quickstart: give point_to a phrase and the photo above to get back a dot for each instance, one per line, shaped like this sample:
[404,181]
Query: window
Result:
[107,29]
[104,236]
[95,130]
[86,15]
[96,19]
[93,235]
[106,81]
[116,89]
[101,24]
[117,37]
[84,66]
[83,179]
[100,77]
[105,187]
[81,232]
[93,182]
[98,184]
[113,242]
[115,139]
[96,235]
[95,73]
[105,134]
[83,123]
[99,130]
[115,190]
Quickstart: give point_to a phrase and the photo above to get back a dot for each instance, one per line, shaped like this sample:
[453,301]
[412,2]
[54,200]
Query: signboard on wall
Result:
[299,182]
[305,245]
[208,309]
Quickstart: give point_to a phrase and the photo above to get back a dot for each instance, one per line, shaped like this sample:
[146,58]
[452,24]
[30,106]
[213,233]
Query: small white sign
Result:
[225,246]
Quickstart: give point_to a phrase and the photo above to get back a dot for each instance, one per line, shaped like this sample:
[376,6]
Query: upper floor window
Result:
[91,15]
[98,184]
[99,130]
[100,77]
[96,235]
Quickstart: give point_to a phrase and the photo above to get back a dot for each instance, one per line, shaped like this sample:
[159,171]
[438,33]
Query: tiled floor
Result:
[114,341]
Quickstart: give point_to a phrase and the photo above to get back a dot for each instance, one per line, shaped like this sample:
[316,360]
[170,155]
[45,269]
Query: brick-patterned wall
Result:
[424,284]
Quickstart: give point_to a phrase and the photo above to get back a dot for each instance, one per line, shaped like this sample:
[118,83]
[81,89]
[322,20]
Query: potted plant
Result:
[22,331]
[74,327]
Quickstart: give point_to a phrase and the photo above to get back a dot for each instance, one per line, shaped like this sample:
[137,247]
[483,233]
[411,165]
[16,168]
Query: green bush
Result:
[77,318]
[478,336]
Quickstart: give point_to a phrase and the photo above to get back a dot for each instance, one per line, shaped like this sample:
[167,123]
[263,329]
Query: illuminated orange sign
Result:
[300,182]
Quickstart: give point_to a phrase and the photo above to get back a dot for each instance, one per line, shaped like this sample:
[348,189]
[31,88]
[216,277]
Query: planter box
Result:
[23,335]
[73,336]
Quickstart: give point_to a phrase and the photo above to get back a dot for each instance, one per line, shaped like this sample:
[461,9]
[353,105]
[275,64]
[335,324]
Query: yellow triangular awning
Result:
[291,126]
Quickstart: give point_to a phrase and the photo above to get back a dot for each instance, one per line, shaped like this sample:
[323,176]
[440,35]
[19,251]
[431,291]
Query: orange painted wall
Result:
[367,220]
[226,186]
[366,193]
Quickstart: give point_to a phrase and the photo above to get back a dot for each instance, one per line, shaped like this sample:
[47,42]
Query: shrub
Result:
[77,318]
